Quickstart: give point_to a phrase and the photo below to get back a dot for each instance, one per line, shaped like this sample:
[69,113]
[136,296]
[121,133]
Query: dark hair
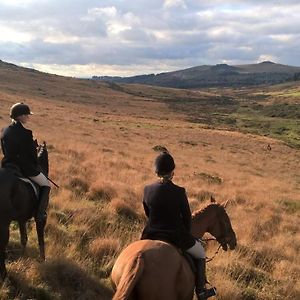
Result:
[19,109]
[164,164]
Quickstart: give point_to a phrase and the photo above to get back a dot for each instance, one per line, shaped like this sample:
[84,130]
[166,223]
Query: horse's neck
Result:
[200,224]
[43,160]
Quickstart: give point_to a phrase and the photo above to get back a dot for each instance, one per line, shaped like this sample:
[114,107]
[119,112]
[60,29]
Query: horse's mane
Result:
[212,206]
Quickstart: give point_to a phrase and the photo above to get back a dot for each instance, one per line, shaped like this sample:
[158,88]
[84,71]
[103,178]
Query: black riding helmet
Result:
[164,164]
[19,109]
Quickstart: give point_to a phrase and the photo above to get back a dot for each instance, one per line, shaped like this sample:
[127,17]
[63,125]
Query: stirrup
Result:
[207,293]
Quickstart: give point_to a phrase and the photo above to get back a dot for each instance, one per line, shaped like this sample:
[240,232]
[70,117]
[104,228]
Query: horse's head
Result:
[221,229]
[43,158]
[214,219]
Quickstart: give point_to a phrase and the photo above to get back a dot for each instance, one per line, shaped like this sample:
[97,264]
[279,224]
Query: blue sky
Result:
[122,37]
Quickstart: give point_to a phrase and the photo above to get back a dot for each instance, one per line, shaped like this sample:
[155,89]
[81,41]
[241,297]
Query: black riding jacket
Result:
[19,148]
[169,215]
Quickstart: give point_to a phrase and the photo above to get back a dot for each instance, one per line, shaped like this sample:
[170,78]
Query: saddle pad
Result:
[32,184]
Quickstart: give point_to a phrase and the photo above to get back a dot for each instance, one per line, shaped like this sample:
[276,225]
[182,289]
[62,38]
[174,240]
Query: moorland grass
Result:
[102,167]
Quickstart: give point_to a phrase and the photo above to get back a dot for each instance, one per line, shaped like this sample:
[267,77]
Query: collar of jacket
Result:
[17,123]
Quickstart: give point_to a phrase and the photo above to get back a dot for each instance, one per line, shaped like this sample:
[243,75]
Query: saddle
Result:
[15,170]
[189,258]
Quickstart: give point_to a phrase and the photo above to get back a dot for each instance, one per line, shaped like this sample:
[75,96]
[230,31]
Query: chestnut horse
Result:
[18,202]
[154,270]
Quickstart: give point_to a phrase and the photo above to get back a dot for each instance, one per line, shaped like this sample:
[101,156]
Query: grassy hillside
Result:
[269,111]
[100,141]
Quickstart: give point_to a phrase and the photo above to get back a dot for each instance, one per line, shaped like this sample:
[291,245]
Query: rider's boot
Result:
[41,214]
[201,291]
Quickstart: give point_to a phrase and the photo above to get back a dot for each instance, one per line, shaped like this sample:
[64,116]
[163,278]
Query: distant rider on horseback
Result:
[20,149]
[169,218]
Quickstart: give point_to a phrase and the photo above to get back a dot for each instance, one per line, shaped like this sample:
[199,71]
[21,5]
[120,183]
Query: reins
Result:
[208,239]
[209,259]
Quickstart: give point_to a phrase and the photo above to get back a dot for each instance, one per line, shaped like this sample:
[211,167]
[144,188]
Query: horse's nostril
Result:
[224,247]
[232,246]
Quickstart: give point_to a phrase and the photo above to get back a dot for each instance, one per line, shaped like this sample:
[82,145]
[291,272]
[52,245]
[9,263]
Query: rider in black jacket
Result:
[20,149]
[169,218]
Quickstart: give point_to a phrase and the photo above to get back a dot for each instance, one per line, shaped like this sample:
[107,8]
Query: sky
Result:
[82,38]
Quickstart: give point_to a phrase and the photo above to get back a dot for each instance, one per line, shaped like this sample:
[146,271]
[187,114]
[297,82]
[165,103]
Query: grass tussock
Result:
[265,230]
[100,247]
[78,186]
[211,179]
[249,276]
[102,192]
[264,258]
[71,281]
[123,209]
[290,206]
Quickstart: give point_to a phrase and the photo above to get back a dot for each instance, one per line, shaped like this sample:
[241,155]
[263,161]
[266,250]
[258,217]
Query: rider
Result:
[169,218]
[20,149]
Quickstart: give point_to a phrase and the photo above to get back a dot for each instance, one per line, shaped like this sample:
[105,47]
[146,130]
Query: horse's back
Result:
[165,275]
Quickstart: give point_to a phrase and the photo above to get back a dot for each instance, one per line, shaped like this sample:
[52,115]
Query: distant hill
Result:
[21,83]
[220,75]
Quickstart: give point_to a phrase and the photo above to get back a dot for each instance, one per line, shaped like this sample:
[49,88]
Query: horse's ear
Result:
[212,199]
[224,204]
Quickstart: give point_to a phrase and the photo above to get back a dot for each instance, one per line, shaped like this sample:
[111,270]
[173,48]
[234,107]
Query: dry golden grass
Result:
[99,248]
[101,156]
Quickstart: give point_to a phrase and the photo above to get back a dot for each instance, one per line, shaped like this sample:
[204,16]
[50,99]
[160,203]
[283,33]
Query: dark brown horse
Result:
[18,202]
[154,270]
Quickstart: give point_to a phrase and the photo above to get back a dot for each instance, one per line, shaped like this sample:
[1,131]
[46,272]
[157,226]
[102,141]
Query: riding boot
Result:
[201,291]
[41,214]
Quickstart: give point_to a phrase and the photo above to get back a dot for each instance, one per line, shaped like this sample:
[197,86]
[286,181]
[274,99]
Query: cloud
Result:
[146,35]
[174,3]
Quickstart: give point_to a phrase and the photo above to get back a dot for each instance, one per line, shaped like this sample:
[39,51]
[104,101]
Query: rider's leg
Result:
[44,183]
[198,252]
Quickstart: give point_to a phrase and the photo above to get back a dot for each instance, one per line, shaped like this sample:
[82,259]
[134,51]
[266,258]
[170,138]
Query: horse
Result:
[153,270]
[19,202]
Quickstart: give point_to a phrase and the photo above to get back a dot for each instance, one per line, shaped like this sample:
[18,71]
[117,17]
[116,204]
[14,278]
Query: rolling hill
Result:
[101,137]
[221,75]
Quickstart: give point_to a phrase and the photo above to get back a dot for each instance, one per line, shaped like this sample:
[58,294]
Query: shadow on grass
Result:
[17,286]
[14,251]
[69,281]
